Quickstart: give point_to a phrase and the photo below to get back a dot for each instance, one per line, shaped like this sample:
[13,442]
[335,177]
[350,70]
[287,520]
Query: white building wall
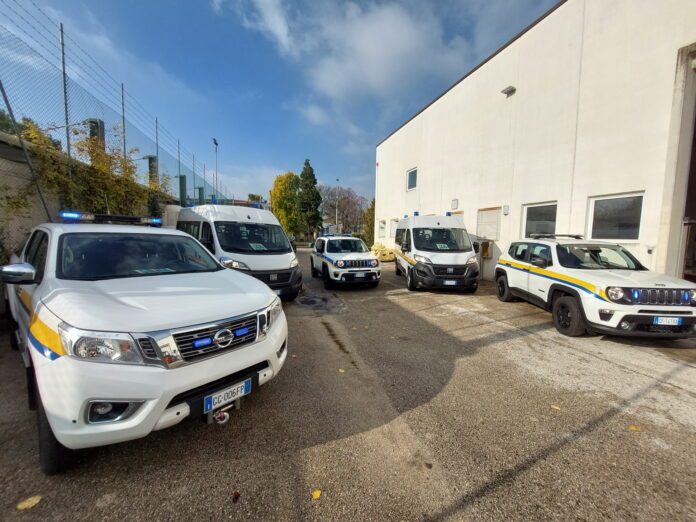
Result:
[591,115]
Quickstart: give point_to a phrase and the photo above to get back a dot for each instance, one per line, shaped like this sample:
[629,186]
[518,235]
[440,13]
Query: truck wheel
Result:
[397,268]
[290,296]
[567,317]
[315,273]
[328,283]
[502,290]
[412,280]
[54,458]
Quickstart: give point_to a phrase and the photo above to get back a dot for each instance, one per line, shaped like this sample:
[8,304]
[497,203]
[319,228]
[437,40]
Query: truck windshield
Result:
[343,246]
[252,238]
[91,256]
[593,257]
[441,239]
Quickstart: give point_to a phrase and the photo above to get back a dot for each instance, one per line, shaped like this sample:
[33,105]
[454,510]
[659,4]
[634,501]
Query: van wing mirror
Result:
[477,246]
[18,274]
[405,248]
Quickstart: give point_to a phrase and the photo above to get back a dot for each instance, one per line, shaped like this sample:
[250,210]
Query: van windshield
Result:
[252,238]
[441,239]
[95,256]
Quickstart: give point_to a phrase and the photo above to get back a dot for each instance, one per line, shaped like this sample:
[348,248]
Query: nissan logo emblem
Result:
[223,338]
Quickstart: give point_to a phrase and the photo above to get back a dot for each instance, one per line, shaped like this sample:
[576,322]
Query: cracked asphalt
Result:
[400,405]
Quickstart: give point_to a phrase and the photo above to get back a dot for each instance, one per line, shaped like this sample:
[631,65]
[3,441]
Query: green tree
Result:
[369,220]
[255,197]
[310,200]
[285,201]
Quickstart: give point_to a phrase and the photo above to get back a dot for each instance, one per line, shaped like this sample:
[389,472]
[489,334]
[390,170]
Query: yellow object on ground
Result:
[382,252]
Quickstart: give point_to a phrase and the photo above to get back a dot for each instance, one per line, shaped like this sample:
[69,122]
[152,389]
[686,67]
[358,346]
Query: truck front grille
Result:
[193,344]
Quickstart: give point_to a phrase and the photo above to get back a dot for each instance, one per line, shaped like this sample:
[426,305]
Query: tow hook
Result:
[220,416]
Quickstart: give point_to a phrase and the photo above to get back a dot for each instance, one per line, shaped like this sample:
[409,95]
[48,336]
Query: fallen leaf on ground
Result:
[316,494]
[293,356]
[354,328]
[634,428]
[555,407]
[29,503]
[367,327]
[341,370]
[235,496]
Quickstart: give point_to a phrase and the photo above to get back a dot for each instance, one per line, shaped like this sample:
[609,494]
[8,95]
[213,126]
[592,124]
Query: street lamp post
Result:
[336,205]
[216,167]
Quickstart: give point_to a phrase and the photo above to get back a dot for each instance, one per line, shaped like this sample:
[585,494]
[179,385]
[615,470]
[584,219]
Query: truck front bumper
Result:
[164,397]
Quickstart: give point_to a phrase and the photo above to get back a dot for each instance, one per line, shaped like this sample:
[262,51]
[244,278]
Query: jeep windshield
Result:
[442,239]
[346,246]
[252,238]
[596,257]
[92,256]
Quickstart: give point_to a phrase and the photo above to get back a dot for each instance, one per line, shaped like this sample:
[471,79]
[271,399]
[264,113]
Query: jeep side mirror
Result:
[18,274]
[477,246]
[539,262]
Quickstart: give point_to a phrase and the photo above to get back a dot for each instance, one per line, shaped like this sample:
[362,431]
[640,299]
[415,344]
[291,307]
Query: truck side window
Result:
[207,237]
[37,253]
[407,239]
[398,239]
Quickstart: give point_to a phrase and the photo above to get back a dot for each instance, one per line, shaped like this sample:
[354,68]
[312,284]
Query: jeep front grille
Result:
[660,296]
[358,263]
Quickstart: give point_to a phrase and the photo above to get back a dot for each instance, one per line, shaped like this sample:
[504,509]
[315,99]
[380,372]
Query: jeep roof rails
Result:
[554,236]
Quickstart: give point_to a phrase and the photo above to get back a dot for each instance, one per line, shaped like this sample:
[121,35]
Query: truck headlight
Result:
[615,293]
[422,259]
[340,263]
[232,263]
[472,261]
[374,263]
[269,315]
[294,263]
[108,347]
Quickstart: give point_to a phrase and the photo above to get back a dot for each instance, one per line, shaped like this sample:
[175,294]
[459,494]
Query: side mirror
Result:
[477,246]
[405,248]
[311,245]
[540,262]
[20,273]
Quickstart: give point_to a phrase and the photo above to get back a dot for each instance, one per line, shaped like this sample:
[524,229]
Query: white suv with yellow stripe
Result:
[126,330]
[597,287]
[344,260]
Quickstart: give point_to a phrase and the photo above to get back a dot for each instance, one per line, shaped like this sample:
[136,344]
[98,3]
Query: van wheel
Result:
[54,458]
[502,290]
[315,273]
[397,268]
[567,317]
[328,283]
[290,296]
[412,280]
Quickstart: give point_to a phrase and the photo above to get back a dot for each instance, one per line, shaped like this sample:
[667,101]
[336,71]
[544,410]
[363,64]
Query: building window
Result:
[382,228]
[488,223]
[540,219]
[412,179]
[616,217]
[392,227]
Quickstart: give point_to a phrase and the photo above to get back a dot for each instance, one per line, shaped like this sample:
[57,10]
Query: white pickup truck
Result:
[125,330]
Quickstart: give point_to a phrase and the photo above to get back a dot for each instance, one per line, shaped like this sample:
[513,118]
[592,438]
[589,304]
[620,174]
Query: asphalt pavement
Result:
[399,405]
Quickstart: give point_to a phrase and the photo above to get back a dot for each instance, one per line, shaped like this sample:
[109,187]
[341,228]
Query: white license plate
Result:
[360,274]
[226,396]
[668,321]
[449,283]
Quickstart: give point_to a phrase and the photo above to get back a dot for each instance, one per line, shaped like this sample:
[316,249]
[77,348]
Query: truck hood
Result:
[630,279]
[445,258]
[263,261]
[144,304]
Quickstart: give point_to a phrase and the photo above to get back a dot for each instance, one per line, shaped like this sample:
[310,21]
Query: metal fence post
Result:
[65,104]
[123,123]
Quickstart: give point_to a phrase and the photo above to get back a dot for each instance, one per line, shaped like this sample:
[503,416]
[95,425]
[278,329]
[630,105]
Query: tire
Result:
[502,290]
[373,284]
[397,268]
[470,290]
[567,316]
[13,340]
[315,273]
[54,458]
[412,280]
[328,283]
[290,296]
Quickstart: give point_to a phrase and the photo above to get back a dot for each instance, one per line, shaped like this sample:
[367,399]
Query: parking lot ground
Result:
[406,406]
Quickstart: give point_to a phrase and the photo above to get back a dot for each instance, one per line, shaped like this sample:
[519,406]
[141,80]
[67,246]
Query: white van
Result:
[436,252]
[250,240]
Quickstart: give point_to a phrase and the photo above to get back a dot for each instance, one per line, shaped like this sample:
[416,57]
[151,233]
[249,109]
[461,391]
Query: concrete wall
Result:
[593,115]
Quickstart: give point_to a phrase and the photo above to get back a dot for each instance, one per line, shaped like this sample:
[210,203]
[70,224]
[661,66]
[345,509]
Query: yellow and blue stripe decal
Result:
[571,281]
[407,259]
[44,339]
[327,258]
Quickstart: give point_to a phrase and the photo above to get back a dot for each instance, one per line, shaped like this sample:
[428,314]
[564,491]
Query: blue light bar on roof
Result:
[416,213]
[151,220]
[448,213]
[72,215]
[405,215]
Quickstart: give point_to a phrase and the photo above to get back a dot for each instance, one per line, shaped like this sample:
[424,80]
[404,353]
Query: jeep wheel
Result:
[315,273]
[412,280]
[397,268]
[53,456]
[502,290]
[373,284]
[328,283]
[567,317]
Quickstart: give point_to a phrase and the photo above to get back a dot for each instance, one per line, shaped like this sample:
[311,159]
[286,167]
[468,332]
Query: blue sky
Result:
[279,81]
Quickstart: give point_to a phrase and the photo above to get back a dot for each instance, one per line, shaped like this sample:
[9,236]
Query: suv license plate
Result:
[218,399]
[449,283]
[668,321]
[360,274]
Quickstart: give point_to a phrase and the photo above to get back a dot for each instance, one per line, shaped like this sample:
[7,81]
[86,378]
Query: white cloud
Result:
[216,5]
[314,114]
[241,180]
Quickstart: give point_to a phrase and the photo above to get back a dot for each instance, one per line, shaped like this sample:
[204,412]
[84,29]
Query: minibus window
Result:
[442,239]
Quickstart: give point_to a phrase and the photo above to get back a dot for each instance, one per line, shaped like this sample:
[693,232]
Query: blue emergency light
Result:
[241,331]
[71,214]
[416,213]
[448,213]
[405,215]
[202,342]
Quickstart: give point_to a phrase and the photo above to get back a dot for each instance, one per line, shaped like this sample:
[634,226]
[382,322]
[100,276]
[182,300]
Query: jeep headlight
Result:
[294,262]
[374,263]
[108,347]
[615,293]
[340,263]
[269,315]
[422,259]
